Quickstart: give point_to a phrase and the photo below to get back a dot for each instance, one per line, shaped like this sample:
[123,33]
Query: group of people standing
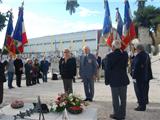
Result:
[87,71]
[116,76]
[115,65]
[33,70]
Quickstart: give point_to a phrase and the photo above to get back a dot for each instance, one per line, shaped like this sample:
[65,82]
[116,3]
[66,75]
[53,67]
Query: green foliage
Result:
[148,17]
[2,21]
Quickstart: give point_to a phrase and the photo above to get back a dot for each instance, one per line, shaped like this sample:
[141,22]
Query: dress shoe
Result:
[116,118]
[86,99]
[140,108]
[90,100]
[11,87]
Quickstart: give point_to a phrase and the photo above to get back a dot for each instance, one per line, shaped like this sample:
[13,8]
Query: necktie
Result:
[85,60]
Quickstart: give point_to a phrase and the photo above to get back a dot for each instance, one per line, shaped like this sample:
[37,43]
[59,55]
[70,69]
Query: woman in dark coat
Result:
[67,67]
[28,72]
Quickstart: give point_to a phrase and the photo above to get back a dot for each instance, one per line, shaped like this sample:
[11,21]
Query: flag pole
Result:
[84,39]
[61,48]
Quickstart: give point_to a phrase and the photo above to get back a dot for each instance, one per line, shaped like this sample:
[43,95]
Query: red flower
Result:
[75,108]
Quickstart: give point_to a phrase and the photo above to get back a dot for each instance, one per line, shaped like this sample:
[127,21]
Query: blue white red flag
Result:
[19,32]
[9,44]
[119,23]
[128,28]
[107,25]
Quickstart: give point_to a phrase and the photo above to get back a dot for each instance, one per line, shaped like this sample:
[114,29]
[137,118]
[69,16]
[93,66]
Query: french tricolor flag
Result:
[20,32]
[107,25]
[128,28]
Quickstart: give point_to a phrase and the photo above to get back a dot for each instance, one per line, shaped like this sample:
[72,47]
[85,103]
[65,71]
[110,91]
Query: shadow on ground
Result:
[104,109]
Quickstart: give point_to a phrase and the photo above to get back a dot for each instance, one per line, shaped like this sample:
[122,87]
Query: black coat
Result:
[18,66]
[141,67]
[67,69]
[116,69]
[2,79]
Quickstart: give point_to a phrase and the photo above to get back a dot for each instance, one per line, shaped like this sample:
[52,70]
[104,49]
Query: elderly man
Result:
[142,73]
[116,76]
[87,71]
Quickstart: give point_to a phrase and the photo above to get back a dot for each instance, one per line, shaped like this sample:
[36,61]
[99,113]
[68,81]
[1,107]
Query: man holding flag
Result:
[107,26]
[128,28]
[20,34]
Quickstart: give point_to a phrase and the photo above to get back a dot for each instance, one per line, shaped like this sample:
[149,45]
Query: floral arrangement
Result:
[72,103]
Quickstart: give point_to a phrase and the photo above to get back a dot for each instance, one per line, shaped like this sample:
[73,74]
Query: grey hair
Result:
[84,47]
[116,44]
[140,47]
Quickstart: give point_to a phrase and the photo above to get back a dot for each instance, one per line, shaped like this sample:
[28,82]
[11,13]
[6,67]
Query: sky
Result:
[49,17]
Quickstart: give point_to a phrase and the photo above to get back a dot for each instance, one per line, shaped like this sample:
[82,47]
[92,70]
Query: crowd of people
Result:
[115,66]
[33,69]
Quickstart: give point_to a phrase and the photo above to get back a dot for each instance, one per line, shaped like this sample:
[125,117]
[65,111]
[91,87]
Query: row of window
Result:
[49,43]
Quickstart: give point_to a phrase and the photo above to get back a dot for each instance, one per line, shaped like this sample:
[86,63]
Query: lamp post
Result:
[141,4]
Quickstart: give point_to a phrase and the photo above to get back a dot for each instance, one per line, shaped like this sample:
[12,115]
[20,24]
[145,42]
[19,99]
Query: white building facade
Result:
[55,44]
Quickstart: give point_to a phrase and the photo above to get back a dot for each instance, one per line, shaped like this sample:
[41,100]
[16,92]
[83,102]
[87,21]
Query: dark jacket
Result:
[116,69]
[44,66]
[141,67]
[2,79]
[28,69]
[18,66]
[67,69]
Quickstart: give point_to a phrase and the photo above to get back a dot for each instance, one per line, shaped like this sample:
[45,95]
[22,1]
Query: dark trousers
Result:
[10,79]
[33,80]
[119,101]
[88,87]
[67,83]
[18,79]
[37,79]
[141,91]
[1,91]
[147,92]
[44,77]
[28,80]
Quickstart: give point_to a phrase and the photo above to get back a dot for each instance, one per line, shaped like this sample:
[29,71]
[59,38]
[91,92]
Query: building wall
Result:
[73,41]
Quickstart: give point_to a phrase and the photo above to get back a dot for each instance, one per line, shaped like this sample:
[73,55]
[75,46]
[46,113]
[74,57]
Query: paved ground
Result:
[102,101]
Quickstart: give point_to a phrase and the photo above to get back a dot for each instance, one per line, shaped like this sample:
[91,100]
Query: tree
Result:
[2,19]
[148,17]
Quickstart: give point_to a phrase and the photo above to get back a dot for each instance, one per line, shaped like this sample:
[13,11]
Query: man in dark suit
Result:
[44,67]
[2,78]
[87,71]
[18,70]
[141,73]
[116,76]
